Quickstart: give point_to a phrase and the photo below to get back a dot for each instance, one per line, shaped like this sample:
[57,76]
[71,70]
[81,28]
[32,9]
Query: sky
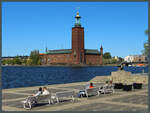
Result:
[117,26]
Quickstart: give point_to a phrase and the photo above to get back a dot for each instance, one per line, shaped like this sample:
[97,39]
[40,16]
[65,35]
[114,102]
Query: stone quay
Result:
[135,100]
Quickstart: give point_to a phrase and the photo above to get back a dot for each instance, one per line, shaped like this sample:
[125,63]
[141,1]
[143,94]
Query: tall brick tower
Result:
[78,42]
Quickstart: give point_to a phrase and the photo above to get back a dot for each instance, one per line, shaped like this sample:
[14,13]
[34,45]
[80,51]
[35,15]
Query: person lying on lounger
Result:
[39,92]
[45,91]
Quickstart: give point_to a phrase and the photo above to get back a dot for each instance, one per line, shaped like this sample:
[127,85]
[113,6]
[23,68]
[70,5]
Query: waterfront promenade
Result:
[135,100]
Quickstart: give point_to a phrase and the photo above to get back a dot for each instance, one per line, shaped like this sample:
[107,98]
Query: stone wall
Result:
[122,77]
[126,77]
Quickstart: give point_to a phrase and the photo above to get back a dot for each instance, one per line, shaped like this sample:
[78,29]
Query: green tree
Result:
[106,61]
[29,62]
[24,61]
[17,60]
[145,51]
[113,61]
[4,62]
[107,55]
[9,61]
[34,55]
[39,62]
[146,32]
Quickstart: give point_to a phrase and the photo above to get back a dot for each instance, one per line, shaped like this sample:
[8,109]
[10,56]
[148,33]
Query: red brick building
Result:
[78,54]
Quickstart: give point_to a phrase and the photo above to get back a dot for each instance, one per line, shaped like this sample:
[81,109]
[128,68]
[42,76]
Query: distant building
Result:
[135,58]
[129,58]
[78,54]
[116,58]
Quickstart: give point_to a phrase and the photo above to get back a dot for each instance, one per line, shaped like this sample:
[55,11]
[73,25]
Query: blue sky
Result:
[118,27]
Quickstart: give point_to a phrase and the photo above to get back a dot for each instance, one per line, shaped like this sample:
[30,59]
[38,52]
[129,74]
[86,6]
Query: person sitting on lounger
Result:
[39,92]
[45,91]
[91,85]
[110,83]
[82,93]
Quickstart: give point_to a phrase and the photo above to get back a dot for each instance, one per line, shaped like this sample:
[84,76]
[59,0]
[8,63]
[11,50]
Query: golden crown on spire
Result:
[77,16]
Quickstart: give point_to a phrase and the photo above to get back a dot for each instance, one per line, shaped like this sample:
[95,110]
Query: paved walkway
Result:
[136,100]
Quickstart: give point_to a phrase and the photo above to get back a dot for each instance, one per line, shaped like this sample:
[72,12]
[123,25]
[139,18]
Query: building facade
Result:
[78,54]
[136,58]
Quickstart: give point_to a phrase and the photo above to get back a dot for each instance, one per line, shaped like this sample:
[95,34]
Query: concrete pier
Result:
[135,100]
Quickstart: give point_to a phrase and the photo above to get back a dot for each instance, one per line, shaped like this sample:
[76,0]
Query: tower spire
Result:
[46,50]
[101,47]
[77,20]
[101,50]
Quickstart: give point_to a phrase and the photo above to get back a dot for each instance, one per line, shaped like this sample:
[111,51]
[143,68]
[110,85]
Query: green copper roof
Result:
[63,51]
[91,51]
[60,51]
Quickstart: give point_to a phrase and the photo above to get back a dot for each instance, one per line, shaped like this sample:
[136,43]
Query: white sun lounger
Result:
[92,91]
[106,89]
[32,100]
[65,94]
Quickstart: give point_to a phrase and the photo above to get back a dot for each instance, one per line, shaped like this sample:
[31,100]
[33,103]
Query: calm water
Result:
[14,77]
